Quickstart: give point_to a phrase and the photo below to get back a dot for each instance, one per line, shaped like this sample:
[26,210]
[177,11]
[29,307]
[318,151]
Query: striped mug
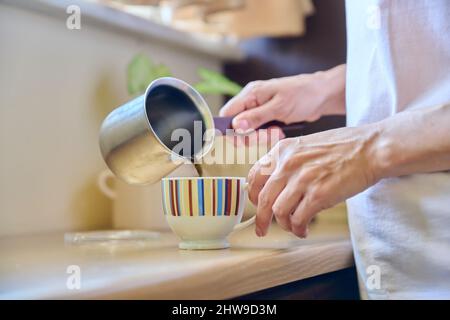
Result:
[203,211]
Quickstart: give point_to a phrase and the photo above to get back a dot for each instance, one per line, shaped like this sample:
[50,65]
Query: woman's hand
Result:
[301,176]
[304,97]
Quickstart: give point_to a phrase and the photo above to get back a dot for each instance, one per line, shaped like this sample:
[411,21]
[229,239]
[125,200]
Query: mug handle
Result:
[244,224]
[102,182]
[247,223]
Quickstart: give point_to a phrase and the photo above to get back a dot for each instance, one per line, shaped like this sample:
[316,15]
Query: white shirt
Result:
[398,59]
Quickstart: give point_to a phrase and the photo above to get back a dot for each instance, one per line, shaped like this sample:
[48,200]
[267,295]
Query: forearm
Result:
[333,83]
[413,142]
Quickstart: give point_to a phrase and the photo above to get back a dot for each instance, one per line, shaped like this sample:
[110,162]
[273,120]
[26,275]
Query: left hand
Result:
[301,176]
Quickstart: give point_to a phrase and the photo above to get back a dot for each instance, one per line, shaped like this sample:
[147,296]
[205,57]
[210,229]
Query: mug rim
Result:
[201,178]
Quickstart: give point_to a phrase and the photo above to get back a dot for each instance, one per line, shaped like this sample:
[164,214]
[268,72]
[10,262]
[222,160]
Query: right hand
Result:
[292,99]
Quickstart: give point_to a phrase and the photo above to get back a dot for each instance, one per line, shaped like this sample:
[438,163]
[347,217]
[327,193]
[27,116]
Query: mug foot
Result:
[204,244]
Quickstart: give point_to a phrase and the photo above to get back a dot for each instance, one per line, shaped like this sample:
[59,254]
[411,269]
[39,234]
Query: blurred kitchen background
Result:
[57,83]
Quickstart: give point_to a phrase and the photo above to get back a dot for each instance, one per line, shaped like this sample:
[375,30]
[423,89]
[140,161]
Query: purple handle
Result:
[293,129]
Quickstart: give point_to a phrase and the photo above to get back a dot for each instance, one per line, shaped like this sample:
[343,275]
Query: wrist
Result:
[382,157]
[404,147]
[332,89]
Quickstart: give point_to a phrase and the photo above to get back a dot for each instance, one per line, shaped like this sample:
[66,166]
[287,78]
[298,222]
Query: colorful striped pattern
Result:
[202,197]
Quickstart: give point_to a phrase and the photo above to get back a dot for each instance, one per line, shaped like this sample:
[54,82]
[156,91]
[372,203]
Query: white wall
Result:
[56,86]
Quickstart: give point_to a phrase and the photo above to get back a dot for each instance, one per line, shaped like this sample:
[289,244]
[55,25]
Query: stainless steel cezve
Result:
[135,139]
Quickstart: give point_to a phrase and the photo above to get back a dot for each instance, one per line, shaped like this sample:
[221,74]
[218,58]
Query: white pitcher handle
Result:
[246,223]
[103,184]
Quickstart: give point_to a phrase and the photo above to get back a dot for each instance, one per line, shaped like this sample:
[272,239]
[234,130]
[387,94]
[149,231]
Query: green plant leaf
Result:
[141,71]
[215,83]
[161,70]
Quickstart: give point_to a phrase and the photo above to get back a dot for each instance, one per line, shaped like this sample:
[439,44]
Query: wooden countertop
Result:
[35,267]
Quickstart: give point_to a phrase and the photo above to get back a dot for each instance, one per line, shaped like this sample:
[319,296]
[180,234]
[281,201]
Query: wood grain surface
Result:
[36,266]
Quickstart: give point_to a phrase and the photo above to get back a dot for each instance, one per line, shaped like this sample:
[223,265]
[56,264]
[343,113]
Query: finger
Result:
[254,94]
[258,176]
[286,203]
[255,117]
[302,216]
[256,182]
[236,105]
[273,187]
